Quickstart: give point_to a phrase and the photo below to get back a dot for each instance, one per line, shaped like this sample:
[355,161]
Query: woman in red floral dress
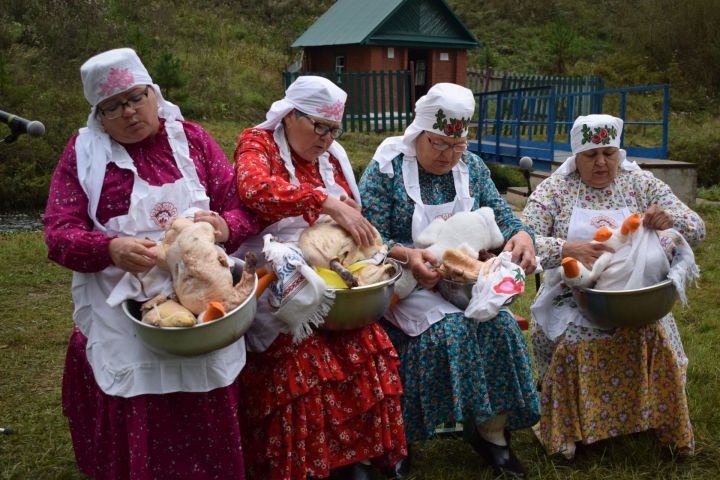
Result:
[332,400]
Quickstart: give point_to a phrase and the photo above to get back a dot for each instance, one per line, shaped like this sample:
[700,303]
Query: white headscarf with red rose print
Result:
[447,109]
[595,131]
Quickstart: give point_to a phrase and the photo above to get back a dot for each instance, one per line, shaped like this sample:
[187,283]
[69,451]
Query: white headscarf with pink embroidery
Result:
[103,76]
[317,97]
[595,131]
[117,71]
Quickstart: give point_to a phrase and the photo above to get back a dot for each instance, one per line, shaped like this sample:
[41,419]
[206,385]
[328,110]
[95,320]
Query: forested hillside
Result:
[222,59]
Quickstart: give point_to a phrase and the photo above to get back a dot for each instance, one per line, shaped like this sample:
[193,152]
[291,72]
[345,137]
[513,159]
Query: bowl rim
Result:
[198,325]
[398,271]
[453,282]
[658,286]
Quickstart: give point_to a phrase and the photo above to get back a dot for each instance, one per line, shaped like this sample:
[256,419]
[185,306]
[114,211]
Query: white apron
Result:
[122,364]
[266,327]
[554,319]
[422,308]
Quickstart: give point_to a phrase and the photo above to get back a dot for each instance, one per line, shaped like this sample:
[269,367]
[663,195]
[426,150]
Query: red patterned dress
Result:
[334,398]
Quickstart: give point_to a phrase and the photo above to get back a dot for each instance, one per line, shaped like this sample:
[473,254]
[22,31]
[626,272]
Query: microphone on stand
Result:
[525,165]
[19,125]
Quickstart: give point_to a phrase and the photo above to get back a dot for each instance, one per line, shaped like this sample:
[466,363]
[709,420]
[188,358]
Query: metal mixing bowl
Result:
[459,294]
[360,306]
[626,308]
[203,338]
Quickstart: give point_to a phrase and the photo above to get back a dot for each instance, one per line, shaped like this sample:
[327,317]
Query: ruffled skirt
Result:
[174,435]
[331,400]
[602,386]
[460,369]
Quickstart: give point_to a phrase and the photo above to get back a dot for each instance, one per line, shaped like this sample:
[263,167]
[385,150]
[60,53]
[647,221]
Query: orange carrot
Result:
[263,283]
[214,311]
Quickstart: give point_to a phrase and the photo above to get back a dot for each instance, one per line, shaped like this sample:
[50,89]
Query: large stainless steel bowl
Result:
[360,306]
[626,308]
[459,294]
[203,338]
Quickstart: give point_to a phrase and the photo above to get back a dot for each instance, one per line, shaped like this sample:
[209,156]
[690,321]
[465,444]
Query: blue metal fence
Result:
[536,121]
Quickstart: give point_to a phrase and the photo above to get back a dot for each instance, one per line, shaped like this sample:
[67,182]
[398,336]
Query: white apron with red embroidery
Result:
[121,362]
[422,308]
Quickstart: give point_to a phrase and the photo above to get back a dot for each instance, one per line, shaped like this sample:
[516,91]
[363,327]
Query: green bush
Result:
[504,177]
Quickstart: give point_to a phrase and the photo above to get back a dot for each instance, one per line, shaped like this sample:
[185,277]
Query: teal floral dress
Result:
[458,368]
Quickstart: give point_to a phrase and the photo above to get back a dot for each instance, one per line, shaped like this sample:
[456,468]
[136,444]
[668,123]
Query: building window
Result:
[391,52]
[340,64]
[444,56]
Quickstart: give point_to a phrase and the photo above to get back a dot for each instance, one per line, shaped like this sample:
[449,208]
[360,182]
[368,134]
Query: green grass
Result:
[710,193]
[35,294]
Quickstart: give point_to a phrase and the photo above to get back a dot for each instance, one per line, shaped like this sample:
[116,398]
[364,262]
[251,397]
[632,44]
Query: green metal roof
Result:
[388,22]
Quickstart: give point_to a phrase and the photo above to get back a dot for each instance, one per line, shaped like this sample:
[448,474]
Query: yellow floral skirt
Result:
[600,388]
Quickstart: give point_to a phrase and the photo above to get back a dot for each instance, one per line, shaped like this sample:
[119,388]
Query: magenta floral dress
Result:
[173,435]
[598,384]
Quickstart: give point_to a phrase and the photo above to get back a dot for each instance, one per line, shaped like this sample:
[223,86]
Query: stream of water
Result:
[14,221]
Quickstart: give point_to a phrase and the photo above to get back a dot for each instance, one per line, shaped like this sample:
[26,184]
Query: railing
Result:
[536,121]
[487,80]
[378,101]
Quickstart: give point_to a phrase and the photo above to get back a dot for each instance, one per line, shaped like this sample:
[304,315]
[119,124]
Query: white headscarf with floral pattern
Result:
[595,131]
[446,109]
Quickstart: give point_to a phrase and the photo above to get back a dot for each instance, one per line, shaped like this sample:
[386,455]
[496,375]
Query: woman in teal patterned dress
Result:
[453,368]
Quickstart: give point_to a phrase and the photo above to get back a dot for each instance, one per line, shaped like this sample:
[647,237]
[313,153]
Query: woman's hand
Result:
[585,251]
[347,214]
[417,260]
[523,251]
[222,232]
[134,255]
[655,218]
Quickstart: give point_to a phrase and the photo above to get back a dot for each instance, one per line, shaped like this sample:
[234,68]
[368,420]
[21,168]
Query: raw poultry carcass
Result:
[326,244]
[162,311]
[460,267]
[200,271]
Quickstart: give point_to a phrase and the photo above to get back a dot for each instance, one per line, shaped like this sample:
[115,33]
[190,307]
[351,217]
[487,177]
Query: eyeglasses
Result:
[322,129]
[115,110]
[442,146]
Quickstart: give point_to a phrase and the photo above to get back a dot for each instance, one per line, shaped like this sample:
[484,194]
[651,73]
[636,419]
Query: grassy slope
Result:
[35,295]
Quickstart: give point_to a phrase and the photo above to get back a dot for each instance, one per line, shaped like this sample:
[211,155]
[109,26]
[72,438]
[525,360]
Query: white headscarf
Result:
[318,97]
[595,131]
[103,76]
[446,109]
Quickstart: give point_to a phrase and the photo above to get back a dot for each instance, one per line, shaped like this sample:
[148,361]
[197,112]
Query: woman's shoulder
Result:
[257,134]
[474,162]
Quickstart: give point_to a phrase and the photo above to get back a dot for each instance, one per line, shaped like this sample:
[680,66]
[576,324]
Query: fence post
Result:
[398,79]
[408,97]
[666,117]
[390,99]
[382,99]
[375,99]
[351,97]
[366,78]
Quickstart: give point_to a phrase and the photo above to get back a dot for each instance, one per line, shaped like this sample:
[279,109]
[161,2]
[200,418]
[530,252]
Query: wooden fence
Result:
[378,101]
